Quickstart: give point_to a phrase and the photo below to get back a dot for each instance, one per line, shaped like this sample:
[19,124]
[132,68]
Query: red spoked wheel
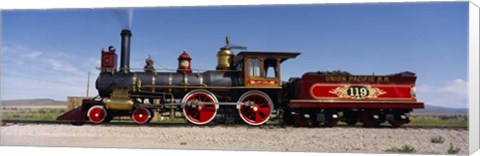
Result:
[200,106]
[97,114]
[141,115]
[255,108]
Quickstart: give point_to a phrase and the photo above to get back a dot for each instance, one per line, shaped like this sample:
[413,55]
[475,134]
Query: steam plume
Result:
[130,18]
[124,17]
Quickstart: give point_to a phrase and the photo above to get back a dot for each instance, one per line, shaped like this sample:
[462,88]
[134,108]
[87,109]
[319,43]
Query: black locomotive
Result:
[244,86]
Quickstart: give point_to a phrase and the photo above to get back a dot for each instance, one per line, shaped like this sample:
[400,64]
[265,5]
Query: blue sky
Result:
[48,53]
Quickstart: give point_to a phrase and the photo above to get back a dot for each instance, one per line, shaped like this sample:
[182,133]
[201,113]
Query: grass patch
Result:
[440,122]
[453,150]
[403,149]
[274,121]
[437,140]
[31,113]
[440,119]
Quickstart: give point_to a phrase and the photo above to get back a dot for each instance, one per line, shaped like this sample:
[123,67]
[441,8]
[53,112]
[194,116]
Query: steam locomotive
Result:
[244,86]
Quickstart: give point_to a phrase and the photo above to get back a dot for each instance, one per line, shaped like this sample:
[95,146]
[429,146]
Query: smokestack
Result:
[125,53]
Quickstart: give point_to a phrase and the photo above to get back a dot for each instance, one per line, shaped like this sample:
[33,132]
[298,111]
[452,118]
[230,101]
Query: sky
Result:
[49,53]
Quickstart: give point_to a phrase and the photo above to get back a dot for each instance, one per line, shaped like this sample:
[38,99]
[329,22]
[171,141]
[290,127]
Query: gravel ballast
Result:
[337,139]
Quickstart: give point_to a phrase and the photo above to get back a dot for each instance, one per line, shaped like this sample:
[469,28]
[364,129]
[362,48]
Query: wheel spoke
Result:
[258,117]
[251,114]
[205,115]
[264,111]
[195,114]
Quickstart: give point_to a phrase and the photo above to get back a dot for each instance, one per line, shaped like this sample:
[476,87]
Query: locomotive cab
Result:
[262,69]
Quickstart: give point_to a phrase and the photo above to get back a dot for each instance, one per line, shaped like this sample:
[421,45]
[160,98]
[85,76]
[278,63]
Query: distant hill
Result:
[32,102]
[430,108]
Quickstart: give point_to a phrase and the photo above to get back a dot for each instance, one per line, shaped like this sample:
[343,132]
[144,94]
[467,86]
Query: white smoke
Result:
[124,17]
[130,17]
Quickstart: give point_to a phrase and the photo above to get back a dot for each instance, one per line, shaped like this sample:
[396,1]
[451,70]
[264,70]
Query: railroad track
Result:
[268,126]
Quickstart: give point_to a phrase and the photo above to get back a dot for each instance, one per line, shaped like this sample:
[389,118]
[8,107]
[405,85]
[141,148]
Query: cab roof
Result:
[283,56]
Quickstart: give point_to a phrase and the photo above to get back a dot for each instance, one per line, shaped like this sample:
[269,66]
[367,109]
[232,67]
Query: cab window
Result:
[254,67]
[270,66]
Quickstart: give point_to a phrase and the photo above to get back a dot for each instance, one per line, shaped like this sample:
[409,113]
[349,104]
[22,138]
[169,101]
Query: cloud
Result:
[60,65]
[33,54]
[5,48]
[457,86]
[94,61]
[453,94]
[34,73]
[423,88]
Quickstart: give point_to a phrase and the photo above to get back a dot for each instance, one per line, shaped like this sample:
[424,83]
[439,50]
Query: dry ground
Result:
[338,139]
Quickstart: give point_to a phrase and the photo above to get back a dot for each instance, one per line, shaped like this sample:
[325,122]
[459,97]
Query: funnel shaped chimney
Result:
[125,51]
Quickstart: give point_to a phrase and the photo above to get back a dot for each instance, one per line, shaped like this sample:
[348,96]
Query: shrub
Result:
[403,149]
[438,140]
[452,149]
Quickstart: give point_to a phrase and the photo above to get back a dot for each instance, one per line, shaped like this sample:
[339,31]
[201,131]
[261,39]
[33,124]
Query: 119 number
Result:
[358,91]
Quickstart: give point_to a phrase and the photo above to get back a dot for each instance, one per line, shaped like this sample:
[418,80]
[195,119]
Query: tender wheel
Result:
[287,117]
[330,122]
[300,121]
[97,114]
[351,117]
[255,108]
[313,122]
[398,120]
[141,115]
[331,119]
[396,123]
[368,119]
[198,106]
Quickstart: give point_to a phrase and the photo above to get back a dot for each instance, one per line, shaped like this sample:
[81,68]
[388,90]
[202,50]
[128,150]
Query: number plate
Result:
[357,92]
